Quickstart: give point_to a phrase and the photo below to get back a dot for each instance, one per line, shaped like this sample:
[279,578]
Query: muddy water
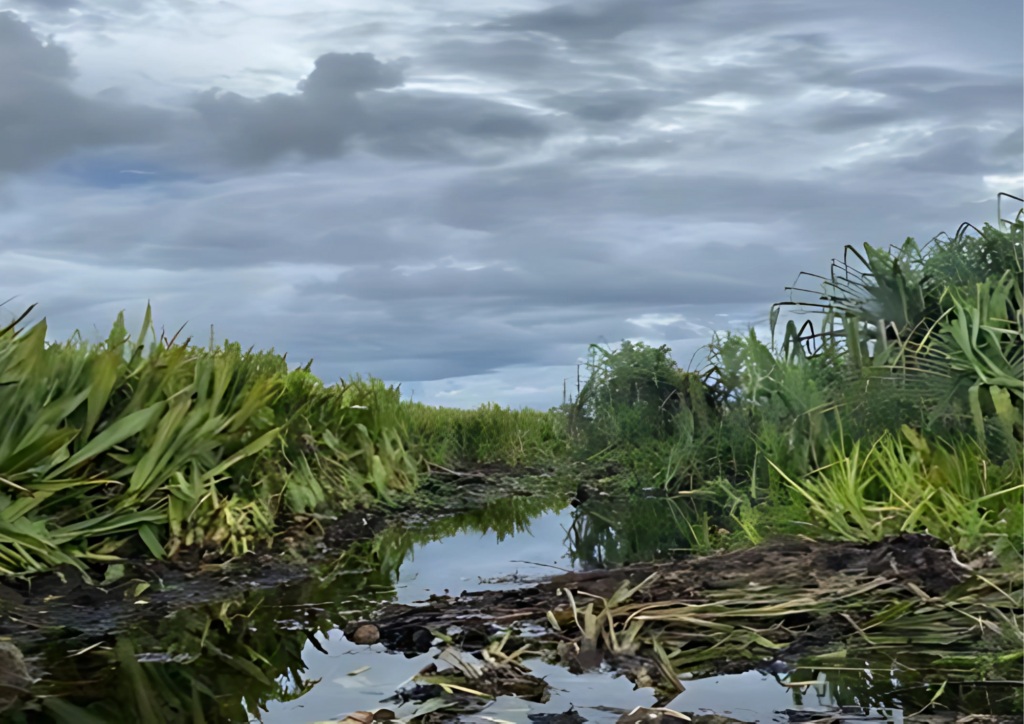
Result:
[280,657]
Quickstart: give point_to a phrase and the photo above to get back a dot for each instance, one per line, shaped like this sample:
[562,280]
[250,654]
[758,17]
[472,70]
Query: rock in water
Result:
[365,635]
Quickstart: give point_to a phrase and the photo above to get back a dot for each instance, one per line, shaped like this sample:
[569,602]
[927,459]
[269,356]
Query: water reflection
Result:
[613,532]
[278,655]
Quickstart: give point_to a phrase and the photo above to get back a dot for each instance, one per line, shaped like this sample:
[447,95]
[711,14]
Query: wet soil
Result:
[809,566]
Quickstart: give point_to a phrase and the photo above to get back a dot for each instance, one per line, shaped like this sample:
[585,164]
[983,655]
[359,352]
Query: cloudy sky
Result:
[461,196]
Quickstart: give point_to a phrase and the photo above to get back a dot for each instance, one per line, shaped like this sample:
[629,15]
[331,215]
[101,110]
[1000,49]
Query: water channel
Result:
[281,654]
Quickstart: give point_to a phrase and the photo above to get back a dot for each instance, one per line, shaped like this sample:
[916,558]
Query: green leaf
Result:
[251,449]
[148,534]
[117,433]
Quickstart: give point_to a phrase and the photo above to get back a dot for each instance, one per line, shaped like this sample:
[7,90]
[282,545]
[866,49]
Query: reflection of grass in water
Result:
[610,533]
[911,681]
[505,517]
[224,661]
[218,662]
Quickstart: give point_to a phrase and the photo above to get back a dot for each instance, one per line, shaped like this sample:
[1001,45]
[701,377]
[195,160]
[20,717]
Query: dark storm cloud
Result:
[316,121]
[42,118]
[347,73]
[24,54]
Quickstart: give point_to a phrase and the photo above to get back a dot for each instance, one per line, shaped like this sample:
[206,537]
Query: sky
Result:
[461,197]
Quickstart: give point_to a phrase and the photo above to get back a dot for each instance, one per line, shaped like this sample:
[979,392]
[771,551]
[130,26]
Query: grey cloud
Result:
[432,125]
[1012,145]
[664,147]
[53,5]
[610,106]
[491,201]
[349,73]
[606,22]
[452,233]
[260,130]
[929,91]
[22,53]
[566,260]
[911,79]
[961,156]
[316,121]
[844,118]
[514,58]
[42,118]
[913,93]
[337,103]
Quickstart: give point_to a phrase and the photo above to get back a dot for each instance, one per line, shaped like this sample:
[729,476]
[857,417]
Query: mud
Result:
[921,561]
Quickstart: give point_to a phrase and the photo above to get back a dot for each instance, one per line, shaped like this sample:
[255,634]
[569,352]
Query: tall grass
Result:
[146,443]
[488,434]
[894,486]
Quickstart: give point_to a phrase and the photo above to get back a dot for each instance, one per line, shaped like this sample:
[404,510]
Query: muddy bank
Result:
[757,608]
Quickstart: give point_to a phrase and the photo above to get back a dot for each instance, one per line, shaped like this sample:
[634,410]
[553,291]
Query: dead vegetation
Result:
[729,613]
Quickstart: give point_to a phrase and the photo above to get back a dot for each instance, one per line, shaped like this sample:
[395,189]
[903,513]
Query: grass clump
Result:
[150,444]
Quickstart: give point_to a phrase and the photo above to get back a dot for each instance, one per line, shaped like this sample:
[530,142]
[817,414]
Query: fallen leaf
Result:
[358,717]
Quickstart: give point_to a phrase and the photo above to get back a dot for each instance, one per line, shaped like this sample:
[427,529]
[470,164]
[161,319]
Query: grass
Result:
[893,487]
[149,444]
[488,434]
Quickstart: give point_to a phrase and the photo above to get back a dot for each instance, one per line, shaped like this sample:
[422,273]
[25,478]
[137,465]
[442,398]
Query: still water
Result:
[279,656]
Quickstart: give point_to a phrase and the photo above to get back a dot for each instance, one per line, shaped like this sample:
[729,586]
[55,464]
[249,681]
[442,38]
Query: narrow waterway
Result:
[279,656]
[515,550]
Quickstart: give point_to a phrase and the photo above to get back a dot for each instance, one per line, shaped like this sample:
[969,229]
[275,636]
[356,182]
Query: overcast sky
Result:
[461,196]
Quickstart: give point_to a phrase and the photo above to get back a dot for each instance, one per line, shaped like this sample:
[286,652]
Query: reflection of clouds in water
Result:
[448,550]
